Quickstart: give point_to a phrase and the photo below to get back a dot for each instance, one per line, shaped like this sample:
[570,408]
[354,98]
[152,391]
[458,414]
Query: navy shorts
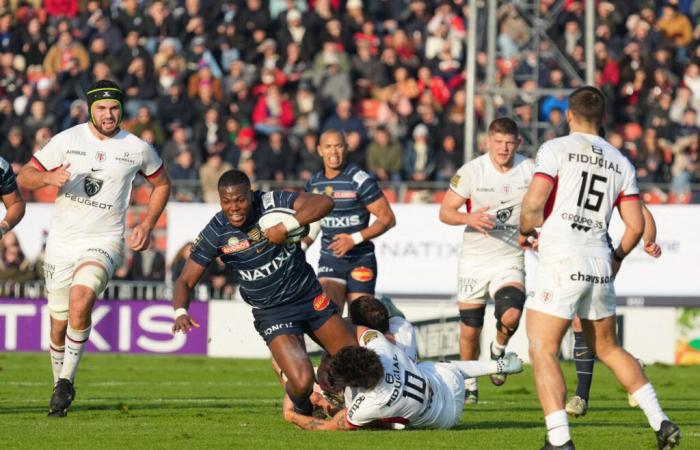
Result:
[358,273]
[295,318]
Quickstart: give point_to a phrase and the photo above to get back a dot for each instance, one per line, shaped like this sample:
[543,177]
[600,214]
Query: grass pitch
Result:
[154,402]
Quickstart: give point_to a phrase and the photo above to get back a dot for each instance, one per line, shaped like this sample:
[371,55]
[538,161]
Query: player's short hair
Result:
[333,131]
[369,312]
[588,104]
[355,367]
[504,125]
[233,178]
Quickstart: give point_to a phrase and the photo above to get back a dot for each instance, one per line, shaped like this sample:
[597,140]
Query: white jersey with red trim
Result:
[93,203]
[405,395]
[590,177]
[482,185]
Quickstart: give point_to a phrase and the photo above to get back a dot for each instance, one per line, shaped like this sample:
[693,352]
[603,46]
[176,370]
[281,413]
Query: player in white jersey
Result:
[578,181]
[491,261]
[93,165]
[384,387]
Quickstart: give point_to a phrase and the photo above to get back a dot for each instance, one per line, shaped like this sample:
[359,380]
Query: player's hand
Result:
[287,409]
[529,242]
[652,249]
[276,234]
[615,265]
[481,221]
[58,177]
[183,324]
[342,243]
[140,237]
[319,401]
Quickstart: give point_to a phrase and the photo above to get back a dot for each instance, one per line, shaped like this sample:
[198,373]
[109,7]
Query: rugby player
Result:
[11,198]
[491,263]
[276,280]
[384,388]
[579,179]
[93,165]
[347,267]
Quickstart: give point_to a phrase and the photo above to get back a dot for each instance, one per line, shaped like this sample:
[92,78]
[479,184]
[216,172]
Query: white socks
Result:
[646,397]
[56,353]
[75,345]
[497,349]
[557,428]
[472,369]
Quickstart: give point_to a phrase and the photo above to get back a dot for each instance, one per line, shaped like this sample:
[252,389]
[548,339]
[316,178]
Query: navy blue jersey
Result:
[270,274]
[8,184]
[352,190]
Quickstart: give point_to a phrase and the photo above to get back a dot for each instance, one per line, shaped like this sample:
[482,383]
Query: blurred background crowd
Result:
[220,84]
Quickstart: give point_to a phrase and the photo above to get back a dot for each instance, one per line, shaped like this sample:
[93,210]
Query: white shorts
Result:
[62,259]
[581,286]
[448,394]
[479,281]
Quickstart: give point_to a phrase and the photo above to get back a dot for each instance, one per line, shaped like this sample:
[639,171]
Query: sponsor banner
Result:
[117,326]
[688,339]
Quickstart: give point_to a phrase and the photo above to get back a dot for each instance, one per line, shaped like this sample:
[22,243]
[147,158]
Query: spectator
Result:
[185,177]
[179,260]
[99,26]
[449,159]
[674,26]
[35,44]
[15,150]
[384,156]
[274,159]
[310,161]
[343,120]
[419,158]
[147,265]
[145,121]
[174,107]
[65,54]
[209,175]
[139,88]
[273,112]
[13,264]
[179,143]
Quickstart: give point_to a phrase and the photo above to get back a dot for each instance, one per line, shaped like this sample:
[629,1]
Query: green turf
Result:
[191,402]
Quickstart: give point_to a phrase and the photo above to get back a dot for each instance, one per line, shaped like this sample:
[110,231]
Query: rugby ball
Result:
[273,216]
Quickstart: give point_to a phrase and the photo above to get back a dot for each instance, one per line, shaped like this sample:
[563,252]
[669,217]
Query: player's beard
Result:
[109,133]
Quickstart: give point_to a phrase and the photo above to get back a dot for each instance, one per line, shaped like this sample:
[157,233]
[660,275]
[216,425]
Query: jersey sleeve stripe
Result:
[154,174]
[625,198]
[545,176]
[38,164]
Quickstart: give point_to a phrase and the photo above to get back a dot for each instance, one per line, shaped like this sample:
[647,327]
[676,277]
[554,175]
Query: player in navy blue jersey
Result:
[11,198]
[347,267]
[276,280]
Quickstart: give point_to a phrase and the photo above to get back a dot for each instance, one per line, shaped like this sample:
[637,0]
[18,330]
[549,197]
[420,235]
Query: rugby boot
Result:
[63,395]
[568,445]
[577,406]
[668,436]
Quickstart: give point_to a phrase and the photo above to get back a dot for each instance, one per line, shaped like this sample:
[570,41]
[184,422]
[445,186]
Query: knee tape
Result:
[92,276]
[473,317]
[58,302]
[506,298]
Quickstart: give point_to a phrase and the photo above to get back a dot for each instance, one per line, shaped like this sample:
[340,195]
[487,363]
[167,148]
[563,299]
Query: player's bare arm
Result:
[337,423]
[451,215]
[309,208]
[140,236]
[182,294]
[32,177]
[532,213]
[344,242]
[15,207]
[649,234]
[632,217]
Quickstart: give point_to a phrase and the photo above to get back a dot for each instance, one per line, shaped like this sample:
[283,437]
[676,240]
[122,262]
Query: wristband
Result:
[617,257]
[179,312]
[357,237]
[290,223]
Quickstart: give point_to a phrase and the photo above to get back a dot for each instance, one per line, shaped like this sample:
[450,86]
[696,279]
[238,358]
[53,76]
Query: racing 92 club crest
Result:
[92,185]
[504,214]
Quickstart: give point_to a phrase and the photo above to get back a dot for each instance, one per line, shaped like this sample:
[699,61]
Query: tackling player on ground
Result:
[578,181]
[276,280]
[93,165]
[491,263]
[11,198]
[347,267]
[384,388]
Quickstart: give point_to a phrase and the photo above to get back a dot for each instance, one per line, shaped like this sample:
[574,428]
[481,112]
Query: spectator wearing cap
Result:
[198,54]
[273,112]
[65,54]
[419,157]
[384,156]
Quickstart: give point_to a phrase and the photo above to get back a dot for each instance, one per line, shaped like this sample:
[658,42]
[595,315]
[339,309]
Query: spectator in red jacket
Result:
[272,112]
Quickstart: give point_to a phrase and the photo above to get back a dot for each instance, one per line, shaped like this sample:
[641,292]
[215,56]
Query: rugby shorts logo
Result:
[547,296]
[100,156]
[321,302]
[362,274]
[92,185]
[504,214]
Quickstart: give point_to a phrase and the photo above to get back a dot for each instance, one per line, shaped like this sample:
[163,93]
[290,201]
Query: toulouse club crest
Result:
[92,185]
[100,156]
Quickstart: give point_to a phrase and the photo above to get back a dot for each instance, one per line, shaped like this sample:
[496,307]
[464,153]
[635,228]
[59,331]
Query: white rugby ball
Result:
[273,216]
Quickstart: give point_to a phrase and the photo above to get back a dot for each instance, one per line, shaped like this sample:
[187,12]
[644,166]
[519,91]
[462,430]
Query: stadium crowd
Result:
[250,83]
